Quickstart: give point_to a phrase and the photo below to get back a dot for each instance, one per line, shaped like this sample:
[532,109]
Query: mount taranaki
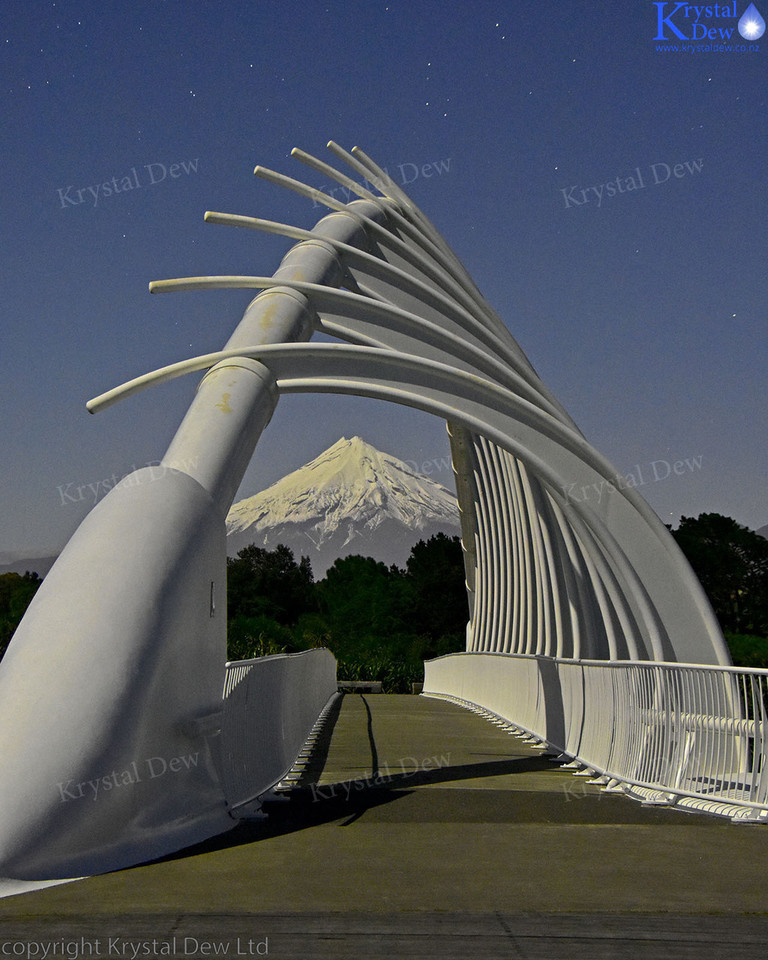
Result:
[351,499]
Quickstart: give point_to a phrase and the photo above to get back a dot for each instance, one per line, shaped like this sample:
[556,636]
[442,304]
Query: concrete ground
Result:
[421,830]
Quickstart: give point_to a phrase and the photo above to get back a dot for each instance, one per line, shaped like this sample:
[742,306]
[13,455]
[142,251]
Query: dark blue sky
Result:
[645,310]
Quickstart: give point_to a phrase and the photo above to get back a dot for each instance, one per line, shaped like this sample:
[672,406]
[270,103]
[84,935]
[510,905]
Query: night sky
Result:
[606,192]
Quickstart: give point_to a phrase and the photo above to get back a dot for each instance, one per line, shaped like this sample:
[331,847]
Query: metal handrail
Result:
[693,735]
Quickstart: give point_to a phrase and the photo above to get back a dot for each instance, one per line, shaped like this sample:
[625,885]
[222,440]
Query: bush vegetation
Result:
[16,592]
[380,622]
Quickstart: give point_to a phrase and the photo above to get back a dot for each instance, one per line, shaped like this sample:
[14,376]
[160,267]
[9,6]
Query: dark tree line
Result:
[373,616]
[269,583]
[16,591]
[380,622]
[731,561]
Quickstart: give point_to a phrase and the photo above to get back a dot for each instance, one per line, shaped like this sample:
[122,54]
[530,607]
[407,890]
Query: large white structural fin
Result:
[643,583]
[111,713]
[552,572]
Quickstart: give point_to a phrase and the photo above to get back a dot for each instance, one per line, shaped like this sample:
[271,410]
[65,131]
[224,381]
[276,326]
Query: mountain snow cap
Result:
[345,493]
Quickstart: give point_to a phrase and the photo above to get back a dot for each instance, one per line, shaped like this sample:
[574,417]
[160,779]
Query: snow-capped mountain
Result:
[352,498]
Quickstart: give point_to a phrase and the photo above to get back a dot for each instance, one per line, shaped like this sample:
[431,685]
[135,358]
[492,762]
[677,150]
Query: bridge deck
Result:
[420,829]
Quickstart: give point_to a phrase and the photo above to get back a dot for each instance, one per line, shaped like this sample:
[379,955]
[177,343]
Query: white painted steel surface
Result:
[117,667]
[668,733]
[640,589]
[105,683]
[270,707]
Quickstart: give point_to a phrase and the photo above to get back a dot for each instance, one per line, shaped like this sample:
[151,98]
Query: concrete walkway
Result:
[421,830]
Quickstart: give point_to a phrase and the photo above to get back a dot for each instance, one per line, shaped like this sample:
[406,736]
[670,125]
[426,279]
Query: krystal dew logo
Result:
[710,22]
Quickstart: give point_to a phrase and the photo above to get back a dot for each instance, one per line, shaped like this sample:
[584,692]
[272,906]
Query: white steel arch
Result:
[622,528]
[554,578]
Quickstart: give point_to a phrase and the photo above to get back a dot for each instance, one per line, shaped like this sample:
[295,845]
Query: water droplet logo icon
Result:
[751,25]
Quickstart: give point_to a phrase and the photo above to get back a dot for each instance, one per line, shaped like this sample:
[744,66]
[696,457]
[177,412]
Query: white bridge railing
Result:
[685,734]
[270,706]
